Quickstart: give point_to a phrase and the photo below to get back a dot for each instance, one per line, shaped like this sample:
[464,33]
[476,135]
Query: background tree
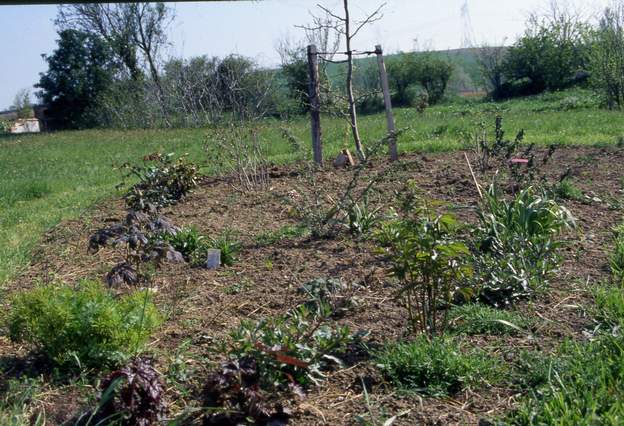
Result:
[607,55]
[411,74]
[552,54]
[22,104]
[135,32]
[79,71]
[491,61]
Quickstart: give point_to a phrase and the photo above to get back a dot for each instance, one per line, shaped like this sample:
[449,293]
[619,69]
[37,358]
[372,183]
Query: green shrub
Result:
[86,325]
[163,180]
[296,346]
[517,249]
[479,319]
[434,367]
[429,262]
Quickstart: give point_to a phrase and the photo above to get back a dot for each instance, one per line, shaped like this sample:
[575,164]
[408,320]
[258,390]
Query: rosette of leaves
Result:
[133,395]
[235,390]
[293,348]
[163,180]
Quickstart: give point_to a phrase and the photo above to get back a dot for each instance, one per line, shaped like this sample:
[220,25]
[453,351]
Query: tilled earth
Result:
[203,306]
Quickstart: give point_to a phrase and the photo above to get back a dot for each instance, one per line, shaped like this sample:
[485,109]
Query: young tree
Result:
[79,71]
[607,55]
[347,28]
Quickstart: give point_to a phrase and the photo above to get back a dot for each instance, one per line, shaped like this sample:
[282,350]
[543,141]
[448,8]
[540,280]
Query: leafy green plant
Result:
[132,395]
[479,319]
[429,262]
[228,245]
[361,218]
[162,181]
[435,366]
[517,249]
[295,347]
[85,325]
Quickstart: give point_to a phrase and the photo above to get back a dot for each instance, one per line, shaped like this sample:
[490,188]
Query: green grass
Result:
[567,190]
[268,238]
[480,319]
[435,367]
[584,382]
[47,178]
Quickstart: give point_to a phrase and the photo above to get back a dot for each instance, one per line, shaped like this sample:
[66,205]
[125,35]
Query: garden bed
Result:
[202,307]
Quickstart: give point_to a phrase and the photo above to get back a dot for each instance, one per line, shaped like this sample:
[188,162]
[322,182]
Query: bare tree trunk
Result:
[351,98]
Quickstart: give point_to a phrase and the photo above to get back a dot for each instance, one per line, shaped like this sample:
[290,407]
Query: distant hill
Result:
[466,77]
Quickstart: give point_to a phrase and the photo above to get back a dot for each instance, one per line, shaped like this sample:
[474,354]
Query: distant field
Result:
[47,178]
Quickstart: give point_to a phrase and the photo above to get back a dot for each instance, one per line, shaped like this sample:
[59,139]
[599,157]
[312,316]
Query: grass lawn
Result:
[47,178]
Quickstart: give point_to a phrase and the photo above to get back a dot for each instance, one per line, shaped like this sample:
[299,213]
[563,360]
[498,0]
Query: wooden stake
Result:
[383,77]
[474,178]
[315,104]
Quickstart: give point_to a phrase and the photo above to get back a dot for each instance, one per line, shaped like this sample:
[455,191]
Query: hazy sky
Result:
[253,29]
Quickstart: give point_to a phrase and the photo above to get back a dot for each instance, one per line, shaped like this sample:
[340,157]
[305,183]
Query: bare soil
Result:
[203,306]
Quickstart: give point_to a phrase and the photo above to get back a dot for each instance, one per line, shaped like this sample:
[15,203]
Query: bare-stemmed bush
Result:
[242,155]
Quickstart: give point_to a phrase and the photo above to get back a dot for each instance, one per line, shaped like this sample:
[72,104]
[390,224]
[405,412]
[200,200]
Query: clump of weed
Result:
[85,326]
[609,308]
[582,387]
[479,319]
[616,259]
[228,245]
[435,366]
[566,190]
[516,244]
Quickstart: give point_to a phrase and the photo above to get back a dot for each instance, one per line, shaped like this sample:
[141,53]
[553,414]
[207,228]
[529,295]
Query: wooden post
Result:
[383,77]
[315,104]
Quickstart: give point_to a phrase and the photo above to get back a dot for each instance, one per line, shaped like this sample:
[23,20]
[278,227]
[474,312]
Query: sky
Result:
[253,28]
